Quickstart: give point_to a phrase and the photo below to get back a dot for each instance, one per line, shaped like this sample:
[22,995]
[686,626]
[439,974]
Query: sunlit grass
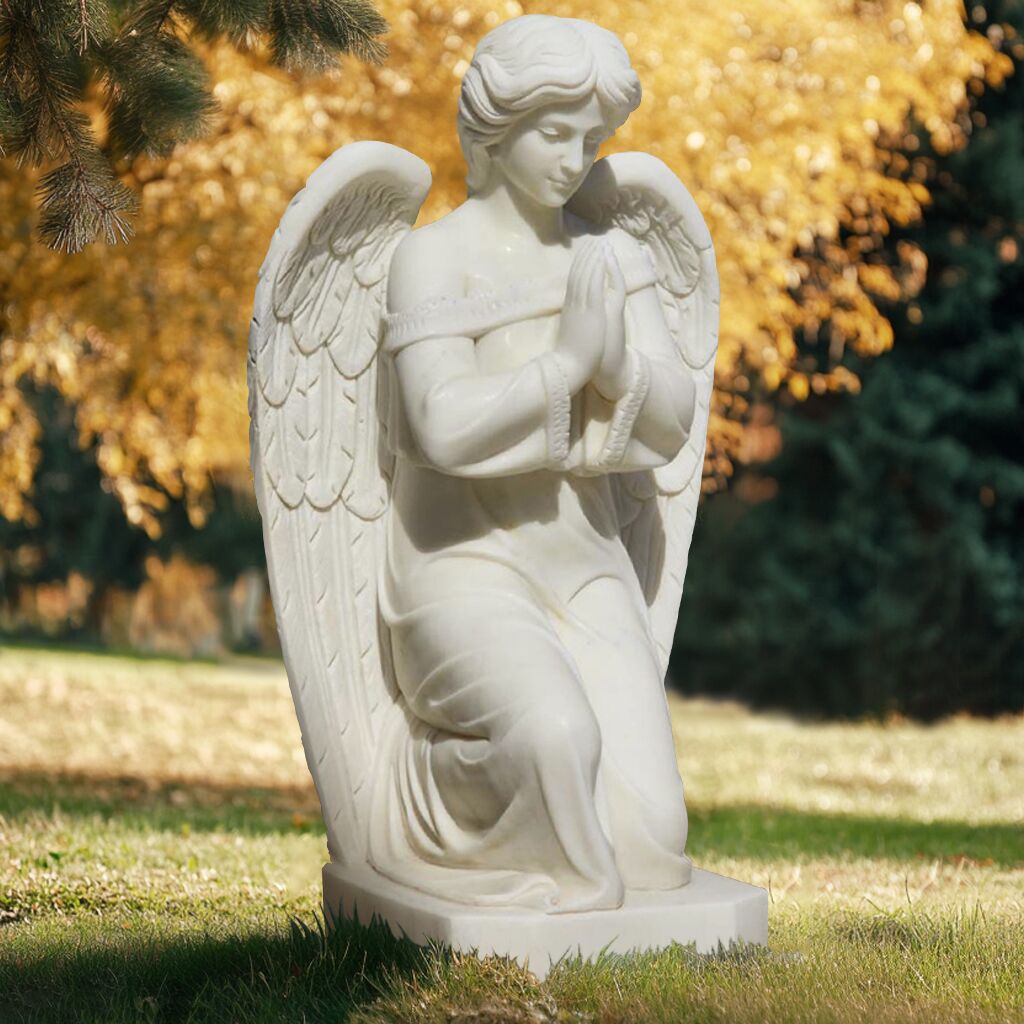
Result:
[160,848]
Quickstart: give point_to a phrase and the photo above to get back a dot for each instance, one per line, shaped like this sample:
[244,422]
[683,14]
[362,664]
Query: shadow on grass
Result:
[353,974]
[305,973]
[749,831]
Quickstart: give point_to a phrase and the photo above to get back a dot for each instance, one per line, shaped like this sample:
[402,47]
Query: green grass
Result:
[160,848]
[774,834]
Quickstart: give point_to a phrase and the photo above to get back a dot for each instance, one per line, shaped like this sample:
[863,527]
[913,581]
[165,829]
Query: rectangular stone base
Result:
[712,912]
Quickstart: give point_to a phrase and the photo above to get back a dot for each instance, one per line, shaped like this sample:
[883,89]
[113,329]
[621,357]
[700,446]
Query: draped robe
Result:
[530,759]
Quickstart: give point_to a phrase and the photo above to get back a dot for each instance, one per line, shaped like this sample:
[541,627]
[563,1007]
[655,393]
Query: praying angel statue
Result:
[477,449]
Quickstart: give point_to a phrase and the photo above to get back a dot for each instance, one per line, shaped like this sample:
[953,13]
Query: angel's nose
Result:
[572,159]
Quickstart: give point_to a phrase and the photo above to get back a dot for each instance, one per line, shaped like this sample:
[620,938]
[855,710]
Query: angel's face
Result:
[546,155]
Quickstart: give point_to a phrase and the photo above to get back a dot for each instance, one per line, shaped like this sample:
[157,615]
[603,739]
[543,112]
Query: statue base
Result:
[712,912]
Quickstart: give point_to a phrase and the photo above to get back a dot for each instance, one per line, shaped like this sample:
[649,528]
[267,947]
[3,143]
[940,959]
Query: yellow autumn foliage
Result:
[783,117]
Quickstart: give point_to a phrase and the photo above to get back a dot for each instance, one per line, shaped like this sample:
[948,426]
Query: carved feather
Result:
[320,473]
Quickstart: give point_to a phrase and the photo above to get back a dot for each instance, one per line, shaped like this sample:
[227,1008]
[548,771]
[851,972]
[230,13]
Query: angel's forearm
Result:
[470,420]
[663,422]
[651,420]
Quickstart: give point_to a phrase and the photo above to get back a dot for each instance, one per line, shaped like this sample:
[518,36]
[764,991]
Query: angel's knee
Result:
[560,729]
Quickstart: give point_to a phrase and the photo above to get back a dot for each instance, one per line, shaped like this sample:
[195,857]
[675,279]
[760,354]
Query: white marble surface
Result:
[712,912]
[477,448]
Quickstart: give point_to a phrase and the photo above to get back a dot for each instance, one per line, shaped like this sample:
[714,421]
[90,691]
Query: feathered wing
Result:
[320,465]
[639,194]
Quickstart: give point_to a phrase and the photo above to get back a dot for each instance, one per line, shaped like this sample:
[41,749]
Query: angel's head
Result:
[539,98]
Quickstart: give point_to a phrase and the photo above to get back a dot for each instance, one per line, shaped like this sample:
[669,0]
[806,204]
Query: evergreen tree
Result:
[156,93]
[888,571]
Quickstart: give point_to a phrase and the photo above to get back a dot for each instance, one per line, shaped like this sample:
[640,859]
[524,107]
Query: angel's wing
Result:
[639,194]
[319,464]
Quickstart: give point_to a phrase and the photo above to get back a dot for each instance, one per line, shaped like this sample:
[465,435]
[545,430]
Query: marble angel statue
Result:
[477,449]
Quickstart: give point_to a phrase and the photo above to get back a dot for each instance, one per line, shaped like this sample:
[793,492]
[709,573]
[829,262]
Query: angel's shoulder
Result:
[427,263]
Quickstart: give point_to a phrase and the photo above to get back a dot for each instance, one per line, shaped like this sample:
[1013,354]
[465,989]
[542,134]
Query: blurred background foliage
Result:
[860,165]
[885,570]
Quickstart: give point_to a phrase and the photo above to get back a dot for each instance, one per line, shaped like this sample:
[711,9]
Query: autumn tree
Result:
[785,119]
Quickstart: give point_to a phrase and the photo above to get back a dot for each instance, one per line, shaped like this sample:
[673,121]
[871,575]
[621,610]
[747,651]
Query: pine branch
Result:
[47,82]
[157,94]
[240,22]
[352,26]
[81,199]
[157,90]
[147,18]
[83,26]
[305,37]
[11,122]
[93,24]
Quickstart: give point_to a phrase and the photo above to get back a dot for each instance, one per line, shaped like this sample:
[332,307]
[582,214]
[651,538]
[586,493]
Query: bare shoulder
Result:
[427,263]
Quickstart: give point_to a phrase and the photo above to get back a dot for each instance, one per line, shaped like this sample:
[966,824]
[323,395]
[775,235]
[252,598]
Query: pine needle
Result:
[157,89]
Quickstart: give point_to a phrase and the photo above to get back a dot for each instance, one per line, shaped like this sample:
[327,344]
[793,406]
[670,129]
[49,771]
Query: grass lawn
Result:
[160,849]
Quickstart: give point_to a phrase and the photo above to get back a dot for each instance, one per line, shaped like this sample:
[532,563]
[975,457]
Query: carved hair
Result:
[533,61]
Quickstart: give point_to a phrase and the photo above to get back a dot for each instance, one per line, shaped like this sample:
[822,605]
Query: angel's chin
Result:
[556,196]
